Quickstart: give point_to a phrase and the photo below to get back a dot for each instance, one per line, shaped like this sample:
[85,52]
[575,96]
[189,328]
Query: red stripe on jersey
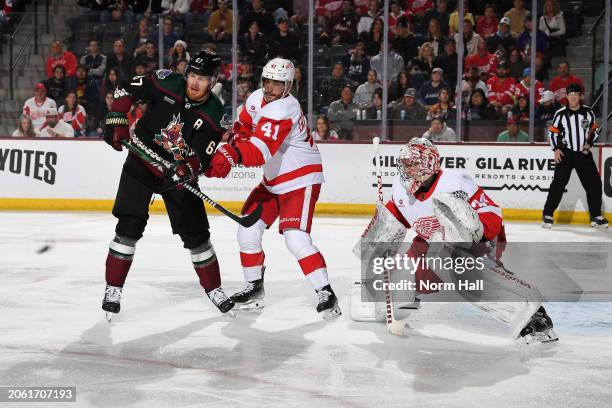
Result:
[491,222]
[397,213]
[311,263]
[291,175]
[248,260]
[273,132]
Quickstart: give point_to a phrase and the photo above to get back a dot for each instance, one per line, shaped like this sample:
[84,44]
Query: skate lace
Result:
[249,287]
[113,294]
[323,296]
[217,296]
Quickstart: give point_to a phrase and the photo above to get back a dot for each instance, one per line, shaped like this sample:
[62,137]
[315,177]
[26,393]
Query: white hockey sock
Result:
[308,256]
[251,252]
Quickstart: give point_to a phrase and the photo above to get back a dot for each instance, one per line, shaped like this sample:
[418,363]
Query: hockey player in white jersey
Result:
[447,206]
[271,131]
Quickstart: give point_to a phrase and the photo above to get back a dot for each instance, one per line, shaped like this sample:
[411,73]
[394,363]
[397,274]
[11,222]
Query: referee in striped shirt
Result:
[572,134]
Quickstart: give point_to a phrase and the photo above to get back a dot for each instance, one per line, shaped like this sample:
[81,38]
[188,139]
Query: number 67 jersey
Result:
[278,131]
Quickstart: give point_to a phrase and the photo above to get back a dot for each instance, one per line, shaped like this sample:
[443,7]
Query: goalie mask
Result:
[416,162]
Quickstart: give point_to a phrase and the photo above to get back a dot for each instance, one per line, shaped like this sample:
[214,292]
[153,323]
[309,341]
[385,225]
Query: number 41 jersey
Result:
[278,130]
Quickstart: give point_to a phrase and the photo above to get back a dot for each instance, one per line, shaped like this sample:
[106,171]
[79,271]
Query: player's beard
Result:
[196,94]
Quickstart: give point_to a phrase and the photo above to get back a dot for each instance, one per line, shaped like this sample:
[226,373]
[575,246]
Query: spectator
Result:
[25,128]
[342,113]
[199,12]
[478,107]
[374,109]
[420,68]
[439,132]
[559,83]
[57,85]
[263,17]
[501,89]
[179,11]
[435,37]
[483,60]
[137,41]
[470,38]
[105,107]
[169,37]
[428,92]
[395,14]
[516,65]
[541,68]
[6,8]
[448,62]
[356,64]
[110,82]
[444,108]
[552,24]
[364,92]
[547,107]
[404,42]
[341,29]
[54,126]
[181,67]
[513,133]
[37,106]
[120,60]
[523,41]
[283,43]
[373,38]
[453,21]
[87,91]
[517,16]
[486,25]
[178,53]
[299,90]
[140,67]
[472,82]
[150,58]
[322,130]
[221,20]
[331,88]
[117,13]
[399,86]
[395,64]
[522,88]
[520,110]
[73,114]
[60,57]
[440,13]
[502,40]
[409,108]
[366,21]
[418,9]
[254,44]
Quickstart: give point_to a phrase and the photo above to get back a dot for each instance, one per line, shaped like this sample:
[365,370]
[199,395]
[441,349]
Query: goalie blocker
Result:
[447,206]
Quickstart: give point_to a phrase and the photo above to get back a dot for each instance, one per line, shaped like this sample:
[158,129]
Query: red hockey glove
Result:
[222,161]
[185,170]
[116,129]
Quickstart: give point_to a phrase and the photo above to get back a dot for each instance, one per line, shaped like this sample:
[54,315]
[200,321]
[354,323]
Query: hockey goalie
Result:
[446,209]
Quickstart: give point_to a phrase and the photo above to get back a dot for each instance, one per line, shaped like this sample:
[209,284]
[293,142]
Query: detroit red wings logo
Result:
[171,138]
[426,227]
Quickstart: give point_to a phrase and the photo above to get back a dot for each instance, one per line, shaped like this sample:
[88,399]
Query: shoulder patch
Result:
[163,73]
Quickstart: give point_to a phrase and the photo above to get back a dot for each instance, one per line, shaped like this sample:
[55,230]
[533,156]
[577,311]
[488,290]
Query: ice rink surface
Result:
[169,348]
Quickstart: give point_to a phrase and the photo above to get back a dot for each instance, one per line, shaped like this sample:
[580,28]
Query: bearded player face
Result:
[197,86]
[273,90]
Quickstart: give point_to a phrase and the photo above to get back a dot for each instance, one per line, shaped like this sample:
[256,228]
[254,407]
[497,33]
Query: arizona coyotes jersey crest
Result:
[278,130]
[416,211]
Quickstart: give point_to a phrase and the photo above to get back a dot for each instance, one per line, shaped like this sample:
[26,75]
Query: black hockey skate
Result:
[220,299]
[251,297]
[599,222]
[547,222]
[111,303]
[539,329]
[328,303]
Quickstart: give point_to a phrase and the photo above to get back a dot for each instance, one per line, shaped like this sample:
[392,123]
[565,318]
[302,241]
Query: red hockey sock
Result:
[119,259]
[208,272]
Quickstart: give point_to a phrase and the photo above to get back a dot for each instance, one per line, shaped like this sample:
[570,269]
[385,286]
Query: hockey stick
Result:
[246,221]
[394,326]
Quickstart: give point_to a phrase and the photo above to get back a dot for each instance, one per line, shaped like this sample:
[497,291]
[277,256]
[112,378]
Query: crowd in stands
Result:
[421,64]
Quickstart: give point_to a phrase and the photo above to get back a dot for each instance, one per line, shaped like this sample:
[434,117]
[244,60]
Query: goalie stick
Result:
[149,156]
[394,326]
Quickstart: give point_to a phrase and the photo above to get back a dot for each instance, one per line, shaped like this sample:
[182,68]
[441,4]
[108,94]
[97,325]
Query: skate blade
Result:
[547,336]
[331,314]
[599,226]
[547,226]
[254,305]
[109,316]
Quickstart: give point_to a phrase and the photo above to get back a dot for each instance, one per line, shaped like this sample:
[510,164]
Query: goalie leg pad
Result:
[383,227]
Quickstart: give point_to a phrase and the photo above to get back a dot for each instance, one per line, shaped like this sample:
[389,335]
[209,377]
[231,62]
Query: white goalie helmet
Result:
[416,162]
[279,69]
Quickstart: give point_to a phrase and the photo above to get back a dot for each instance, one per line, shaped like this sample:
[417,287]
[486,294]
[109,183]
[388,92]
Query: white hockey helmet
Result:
[416,162]
[279,69]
